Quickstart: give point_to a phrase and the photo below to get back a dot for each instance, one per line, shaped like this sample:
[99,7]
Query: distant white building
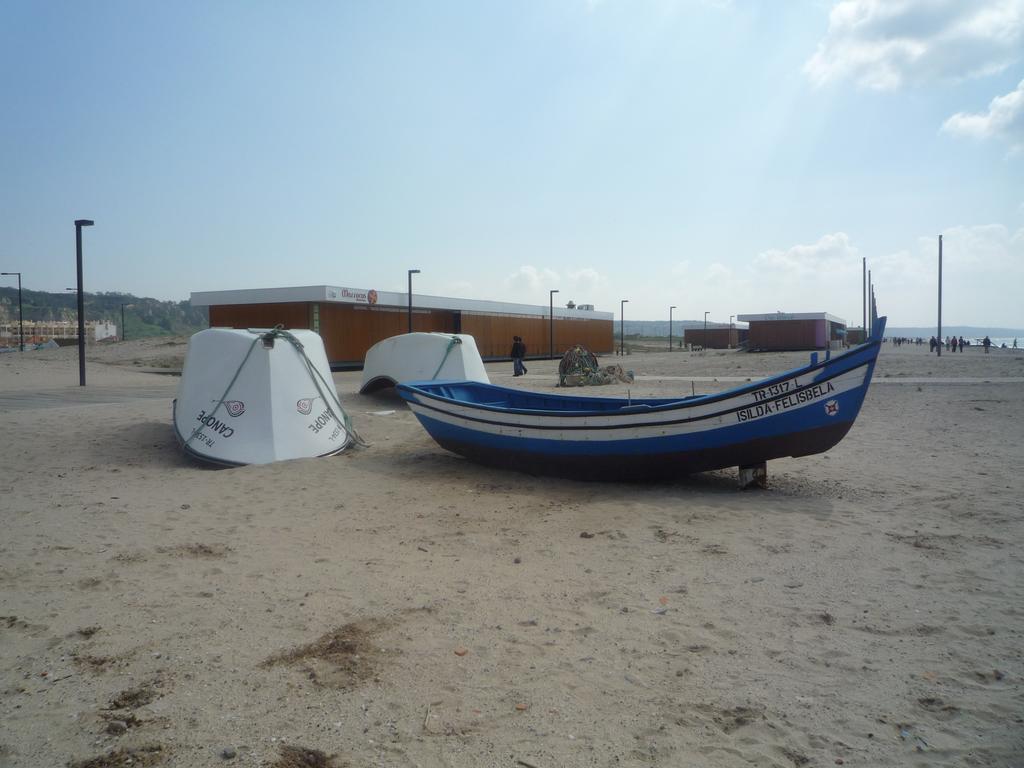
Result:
[101,331]
[37,332]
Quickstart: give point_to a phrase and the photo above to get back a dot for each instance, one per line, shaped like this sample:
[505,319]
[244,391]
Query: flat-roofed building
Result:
[781,331]
[351,320]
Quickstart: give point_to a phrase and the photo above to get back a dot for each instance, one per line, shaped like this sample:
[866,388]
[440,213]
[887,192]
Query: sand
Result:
[400,606]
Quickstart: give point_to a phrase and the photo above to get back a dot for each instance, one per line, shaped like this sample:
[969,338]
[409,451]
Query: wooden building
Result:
[781,331]
[351,320]
[718,337]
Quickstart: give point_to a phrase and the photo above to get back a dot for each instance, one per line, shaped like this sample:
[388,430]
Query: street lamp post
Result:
[21,317]
[124,334]
[706,331]
[871,319]
[79,223]
[411,273]
[939,339]
[730,330]
[670,327]
[864,291]
[551,322]
[622,326]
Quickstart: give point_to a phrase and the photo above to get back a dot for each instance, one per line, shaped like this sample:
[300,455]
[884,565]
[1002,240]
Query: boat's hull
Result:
[419,356]
[798,413]
[640,466]
[249,396]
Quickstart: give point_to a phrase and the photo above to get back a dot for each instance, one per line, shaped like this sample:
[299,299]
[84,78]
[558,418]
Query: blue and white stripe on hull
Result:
[796,413]
[612,428]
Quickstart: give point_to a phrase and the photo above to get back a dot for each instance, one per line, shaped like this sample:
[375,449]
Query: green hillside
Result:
[145,316]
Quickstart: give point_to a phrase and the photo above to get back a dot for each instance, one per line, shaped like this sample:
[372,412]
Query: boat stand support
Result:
[754,476]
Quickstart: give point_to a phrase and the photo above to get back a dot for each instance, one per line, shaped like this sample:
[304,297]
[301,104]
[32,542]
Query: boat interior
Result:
[507,399]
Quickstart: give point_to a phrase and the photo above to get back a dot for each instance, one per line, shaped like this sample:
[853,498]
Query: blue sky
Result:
[723,156]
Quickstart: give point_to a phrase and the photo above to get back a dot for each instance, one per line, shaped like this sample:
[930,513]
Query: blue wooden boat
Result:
[797,413]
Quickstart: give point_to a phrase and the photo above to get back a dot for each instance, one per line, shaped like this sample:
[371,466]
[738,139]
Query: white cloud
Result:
[716,273]
[530,285]
[831,252]
[884,44]
[683,268]
[807,277]
[1004,119]
[991,248]
[586,280]
[528,280]
[983,271]
[593,5]
[982,274]
[460,288]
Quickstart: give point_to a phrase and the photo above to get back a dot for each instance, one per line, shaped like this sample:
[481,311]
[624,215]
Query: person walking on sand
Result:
[518,353]
[986,342]
[961,345]
[517,357]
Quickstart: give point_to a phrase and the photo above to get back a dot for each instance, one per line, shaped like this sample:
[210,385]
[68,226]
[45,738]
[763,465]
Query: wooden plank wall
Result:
[717,338]
[493,334]
[350,330]
[784,335]
[293,315]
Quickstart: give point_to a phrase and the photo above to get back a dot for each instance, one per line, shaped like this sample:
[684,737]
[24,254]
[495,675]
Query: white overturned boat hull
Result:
[258,396]
[421,357]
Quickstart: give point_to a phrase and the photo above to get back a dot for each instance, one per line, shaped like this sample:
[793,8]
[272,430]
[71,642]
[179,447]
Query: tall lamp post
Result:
[79,223]
[939,339]
[21,317]
[871,319]
[670,327]
[730,330]
[864,289]
[551,322]
[622,325]
[124,334]
[411,273]
[706,330]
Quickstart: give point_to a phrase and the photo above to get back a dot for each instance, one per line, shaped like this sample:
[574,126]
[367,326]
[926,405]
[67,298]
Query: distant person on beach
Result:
[961,345]
[1014,343]
[517,357]
[518,353]
[931,344]
[986,342]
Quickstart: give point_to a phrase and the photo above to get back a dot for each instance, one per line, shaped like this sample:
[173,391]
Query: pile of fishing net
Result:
[579,367]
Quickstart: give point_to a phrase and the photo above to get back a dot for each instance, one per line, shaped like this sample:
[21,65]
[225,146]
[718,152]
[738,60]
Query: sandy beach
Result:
[400,606]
